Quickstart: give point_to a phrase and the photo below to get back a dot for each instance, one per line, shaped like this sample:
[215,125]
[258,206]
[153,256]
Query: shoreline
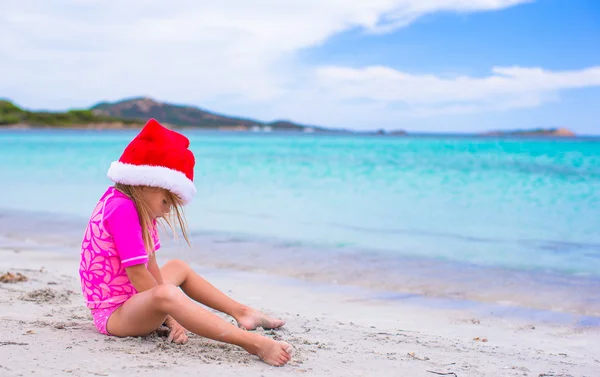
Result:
[484,135]
[335,332]
[380,274]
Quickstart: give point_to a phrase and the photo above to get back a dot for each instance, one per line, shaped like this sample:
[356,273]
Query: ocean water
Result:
[511,204]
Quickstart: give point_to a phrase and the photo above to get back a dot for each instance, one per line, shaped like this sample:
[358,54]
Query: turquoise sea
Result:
[528,207]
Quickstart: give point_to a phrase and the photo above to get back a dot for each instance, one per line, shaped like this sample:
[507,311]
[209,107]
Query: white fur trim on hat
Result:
[154,176]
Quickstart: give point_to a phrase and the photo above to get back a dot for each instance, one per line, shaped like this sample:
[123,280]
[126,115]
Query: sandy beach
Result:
[412,186]
[336,331]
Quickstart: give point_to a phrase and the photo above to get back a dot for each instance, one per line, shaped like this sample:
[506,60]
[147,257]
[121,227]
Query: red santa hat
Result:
[157,157]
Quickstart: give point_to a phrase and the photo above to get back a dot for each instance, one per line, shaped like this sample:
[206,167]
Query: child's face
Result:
[158,200]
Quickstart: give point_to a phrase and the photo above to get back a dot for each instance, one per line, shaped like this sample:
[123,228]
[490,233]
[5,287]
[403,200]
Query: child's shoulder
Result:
[115,200]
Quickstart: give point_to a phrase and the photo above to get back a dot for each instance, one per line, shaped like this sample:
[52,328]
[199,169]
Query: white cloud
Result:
[506,88]
[181,49]
[197,52]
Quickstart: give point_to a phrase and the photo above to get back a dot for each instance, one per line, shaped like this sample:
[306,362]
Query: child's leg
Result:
[178,273]
[146,311]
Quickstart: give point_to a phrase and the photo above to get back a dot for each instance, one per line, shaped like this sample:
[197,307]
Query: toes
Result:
[277,362]
[288,348]
[272,323]
[276,324]
[279,354]
[286,353]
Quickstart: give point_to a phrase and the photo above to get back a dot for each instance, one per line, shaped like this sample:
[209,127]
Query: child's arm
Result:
[154,269]
[141,278]
[144,278]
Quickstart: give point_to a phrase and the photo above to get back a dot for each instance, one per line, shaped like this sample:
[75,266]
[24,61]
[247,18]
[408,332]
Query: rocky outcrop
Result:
[143,108]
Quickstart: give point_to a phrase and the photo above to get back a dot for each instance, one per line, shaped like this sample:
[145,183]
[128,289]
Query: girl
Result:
[128,294]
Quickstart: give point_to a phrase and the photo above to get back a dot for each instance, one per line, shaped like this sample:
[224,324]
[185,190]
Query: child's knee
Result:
[178,264]
[166,295]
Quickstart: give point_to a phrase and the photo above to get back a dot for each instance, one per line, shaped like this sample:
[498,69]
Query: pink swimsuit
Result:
[112,242]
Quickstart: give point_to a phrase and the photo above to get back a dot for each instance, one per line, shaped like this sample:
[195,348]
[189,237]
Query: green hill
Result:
[186,116]
[135,112]
[11,114]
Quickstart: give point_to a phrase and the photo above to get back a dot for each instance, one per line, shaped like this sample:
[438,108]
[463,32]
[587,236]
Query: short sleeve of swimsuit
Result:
[123,223]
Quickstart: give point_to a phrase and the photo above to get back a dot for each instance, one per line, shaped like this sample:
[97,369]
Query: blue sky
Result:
[435,66]
[549,33]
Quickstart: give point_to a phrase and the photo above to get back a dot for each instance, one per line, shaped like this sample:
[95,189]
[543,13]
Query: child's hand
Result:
[178,333]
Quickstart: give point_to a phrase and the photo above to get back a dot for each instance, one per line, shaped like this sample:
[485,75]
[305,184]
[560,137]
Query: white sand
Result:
[335,332]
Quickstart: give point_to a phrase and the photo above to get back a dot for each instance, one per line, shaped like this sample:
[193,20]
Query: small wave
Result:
[563,247]
[413,232]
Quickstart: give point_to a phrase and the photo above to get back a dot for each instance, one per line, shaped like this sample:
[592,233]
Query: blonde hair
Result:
[144,213]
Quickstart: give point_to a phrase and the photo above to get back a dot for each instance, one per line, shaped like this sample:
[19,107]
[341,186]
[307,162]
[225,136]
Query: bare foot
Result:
[271,351]
[250,319]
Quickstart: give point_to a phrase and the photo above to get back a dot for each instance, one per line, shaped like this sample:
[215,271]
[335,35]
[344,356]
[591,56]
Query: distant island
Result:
[13,115]
[552,132]
[134,112]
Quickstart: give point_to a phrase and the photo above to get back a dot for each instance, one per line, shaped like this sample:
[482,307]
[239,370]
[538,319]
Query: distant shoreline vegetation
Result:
[134,112]
[12,115]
